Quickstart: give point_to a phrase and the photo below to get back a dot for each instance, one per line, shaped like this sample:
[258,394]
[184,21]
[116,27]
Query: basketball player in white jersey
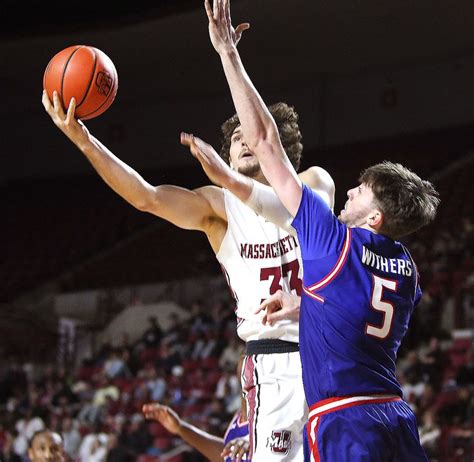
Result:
[258,258]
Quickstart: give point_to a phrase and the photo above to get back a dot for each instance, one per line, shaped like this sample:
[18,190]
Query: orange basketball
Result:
[85,73]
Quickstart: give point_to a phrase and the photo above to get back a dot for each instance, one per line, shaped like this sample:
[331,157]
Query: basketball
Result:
[85,73]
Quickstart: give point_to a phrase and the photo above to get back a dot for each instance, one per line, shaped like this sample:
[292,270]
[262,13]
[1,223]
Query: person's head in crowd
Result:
[46,446]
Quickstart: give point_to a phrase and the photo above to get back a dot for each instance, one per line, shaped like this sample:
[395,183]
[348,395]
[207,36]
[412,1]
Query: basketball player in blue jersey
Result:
[360,282]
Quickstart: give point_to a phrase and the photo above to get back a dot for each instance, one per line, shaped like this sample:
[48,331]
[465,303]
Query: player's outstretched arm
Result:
[187,209]
[259,129]
[208,445]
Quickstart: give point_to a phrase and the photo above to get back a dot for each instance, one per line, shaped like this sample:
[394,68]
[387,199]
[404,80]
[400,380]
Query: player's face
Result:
[358,207]
[241,158]
[46,447]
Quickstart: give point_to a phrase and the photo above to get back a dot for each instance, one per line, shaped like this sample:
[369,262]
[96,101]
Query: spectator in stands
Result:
[429,433]
[104,392]
[7,454]
[231,353]
[94,447]
[137,438]
[152,336]
[71,436]
[412,377]
[117,451]
[155,384]
[46,446]
[434,361]
[459,411]
[26,427]
[200,320]
[465,374]
[228,389]
[115,367]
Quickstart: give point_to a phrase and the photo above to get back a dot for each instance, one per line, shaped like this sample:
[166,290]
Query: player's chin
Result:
[250,169]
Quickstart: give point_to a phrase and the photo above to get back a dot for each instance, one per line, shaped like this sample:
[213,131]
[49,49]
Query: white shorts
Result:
[276,406]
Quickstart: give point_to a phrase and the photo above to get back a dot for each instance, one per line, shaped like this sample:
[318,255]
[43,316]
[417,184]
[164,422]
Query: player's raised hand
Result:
[74,129]
[236,449]
[222,33]
[163,414]
[213,165]
[281,305]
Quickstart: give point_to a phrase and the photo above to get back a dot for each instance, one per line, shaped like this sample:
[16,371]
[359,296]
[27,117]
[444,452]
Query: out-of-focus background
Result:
[104,307]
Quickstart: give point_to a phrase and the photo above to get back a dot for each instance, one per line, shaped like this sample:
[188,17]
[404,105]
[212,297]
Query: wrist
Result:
[228,52]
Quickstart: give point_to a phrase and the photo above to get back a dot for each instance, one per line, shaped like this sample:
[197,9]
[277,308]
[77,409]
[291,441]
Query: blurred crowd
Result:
[97,408]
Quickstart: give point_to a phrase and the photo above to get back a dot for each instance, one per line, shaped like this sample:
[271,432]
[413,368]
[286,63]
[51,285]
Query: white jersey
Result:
[258,258]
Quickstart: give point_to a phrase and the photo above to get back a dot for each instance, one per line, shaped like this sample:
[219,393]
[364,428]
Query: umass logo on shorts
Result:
[280,441]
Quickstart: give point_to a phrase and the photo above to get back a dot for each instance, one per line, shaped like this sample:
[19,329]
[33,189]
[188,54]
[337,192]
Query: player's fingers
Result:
[45,100]
[58,107]
[186,139]
[227,449]
[71,110]
[226,13]
[241,28]
[272,318]
[215,9]
[210,14]
[270,303]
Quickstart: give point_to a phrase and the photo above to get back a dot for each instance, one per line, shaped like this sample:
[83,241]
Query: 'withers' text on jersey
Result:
[387,265]
[359,290]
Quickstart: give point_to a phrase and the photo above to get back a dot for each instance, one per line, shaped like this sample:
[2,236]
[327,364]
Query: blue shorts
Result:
[362,429]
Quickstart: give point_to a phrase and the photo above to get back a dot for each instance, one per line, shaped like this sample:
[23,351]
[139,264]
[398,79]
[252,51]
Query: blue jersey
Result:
[359,292]
[236,429]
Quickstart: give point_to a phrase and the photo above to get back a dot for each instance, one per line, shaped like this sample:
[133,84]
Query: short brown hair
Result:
[406,201]
[286,119]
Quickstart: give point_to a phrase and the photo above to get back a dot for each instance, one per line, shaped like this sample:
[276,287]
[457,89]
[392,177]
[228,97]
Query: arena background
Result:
[371,81]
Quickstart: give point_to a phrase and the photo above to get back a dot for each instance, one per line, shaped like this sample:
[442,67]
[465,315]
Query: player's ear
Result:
[375,219]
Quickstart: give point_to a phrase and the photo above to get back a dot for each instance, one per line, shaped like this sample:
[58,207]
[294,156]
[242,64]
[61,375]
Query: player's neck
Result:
[260,178]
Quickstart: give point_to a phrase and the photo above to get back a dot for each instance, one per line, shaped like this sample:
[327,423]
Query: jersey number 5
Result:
[383,306]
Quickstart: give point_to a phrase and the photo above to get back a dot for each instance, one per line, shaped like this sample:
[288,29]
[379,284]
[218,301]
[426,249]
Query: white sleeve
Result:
[264,201]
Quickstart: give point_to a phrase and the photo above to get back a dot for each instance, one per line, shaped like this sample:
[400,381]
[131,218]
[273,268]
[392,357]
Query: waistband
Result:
[269,346]
[335,404]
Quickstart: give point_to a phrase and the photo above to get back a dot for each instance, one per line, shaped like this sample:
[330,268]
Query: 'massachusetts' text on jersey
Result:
[359,290]
[258,258]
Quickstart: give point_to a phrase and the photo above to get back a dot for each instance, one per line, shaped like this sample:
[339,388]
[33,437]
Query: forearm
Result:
[257,122]
[208,445]
[261,133]
[124,180]
[264,201]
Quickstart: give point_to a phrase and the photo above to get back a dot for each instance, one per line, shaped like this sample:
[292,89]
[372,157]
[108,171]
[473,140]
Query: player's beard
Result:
[252,170]
[353,220]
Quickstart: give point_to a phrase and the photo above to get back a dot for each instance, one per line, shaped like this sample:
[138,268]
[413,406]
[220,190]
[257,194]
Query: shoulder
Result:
[321,182]
[316,177]
[215,196]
